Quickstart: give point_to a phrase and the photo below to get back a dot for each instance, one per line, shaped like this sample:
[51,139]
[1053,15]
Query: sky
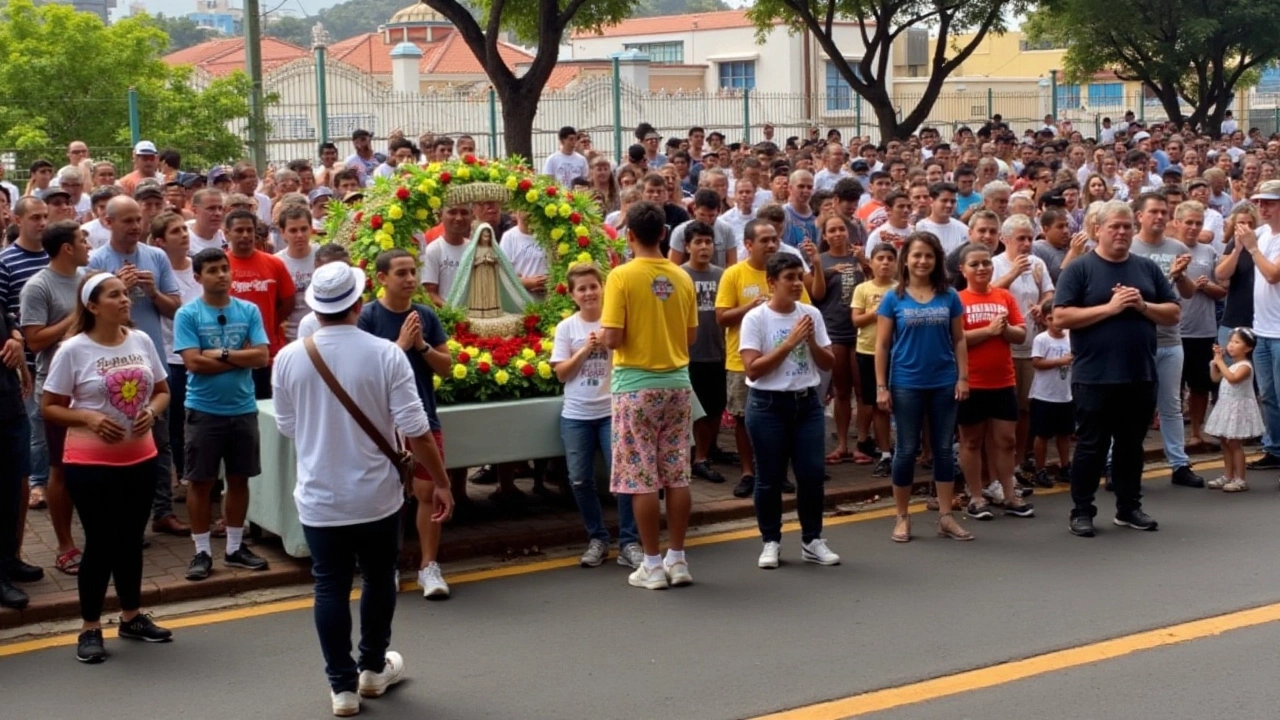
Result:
[299,7]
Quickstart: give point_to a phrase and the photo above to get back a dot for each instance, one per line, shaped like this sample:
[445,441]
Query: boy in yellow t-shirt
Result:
[744,287]
[866,303]
[650,318]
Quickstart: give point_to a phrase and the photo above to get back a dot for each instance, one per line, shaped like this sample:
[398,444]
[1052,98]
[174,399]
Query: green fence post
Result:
[617,109]
[991,105]
[1275,119]
[746,115]
[493,123]
[320,40]
[1097,126]
[135,122]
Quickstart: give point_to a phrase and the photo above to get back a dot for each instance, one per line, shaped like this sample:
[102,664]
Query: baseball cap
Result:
[335,287]
[1141,135]
[1172,170]
[1269,190]
[859,166]
[145,147]
[318,193]
[105,192]
[50,192]
[216,173]
[189,179]
[148,192]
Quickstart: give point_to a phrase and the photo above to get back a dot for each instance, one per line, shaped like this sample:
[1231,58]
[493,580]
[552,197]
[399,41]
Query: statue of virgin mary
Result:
[488,288]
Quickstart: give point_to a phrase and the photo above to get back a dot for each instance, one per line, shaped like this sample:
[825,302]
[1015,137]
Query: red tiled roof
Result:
[224,56]
[722,20]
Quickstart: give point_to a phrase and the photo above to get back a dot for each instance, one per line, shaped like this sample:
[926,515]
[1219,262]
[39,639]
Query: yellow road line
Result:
[1004,673]
[493,573]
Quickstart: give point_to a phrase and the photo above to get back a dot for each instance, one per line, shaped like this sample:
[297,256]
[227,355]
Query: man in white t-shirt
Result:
[566,165]
[400,151]
[742,212]
[97,231]
[834,160]
[443,256]
[206,228]
[1264,248]
[527,257]
[299,256]
[950,231]
[245,177]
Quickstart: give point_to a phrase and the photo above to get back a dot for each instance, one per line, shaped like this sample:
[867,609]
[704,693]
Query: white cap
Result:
[335,287]
[1269,190]
[145,147]
[1141,135]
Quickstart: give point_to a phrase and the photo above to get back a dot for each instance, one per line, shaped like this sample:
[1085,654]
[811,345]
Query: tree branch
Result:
[469,29]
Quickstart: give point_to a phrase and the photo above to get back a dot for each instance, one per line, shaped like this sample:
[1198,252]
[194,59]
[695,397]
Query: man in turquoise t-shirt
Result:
[221,340]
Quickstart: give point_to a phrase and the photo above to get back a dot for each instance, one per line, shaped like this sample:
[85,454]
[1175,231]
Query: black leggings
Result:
[114,504]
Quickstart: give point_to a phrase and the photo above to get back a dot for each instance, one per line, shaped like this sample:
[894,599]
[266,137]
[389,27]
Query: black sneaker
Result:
[1082,526]
[883,468]
[1186,478]
[18,571]
[1023,491]
[486,475]
[245,558]
[200,567]
[1137,520]
[980,513]
[1064,474]
[1266,462]
[1025,510]
[723,457]
[788,486]
[745,487]
[89,647]
[142,628]
[704,470]
[11,596]
[1043,480]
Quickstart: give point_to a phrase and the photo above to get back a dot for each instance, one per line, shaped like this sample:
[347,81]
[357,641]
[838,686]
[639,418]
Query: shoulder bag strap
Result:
[354,410]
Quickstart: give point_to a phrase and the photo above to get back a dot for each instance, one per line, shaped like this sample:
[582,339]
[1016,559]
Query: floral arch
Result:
[569,227]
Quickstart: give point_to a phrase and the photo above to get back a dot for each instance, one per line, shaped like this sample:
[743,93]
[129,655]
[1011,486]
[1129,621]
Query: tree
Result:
[543,22]
[882,22]
[50,95]
[652,8]
[183,32]
[1197,51]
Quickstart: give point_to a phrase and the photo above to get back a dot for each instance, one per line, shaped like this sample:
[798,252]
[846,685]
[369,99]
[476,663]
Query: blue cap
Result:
[320,192]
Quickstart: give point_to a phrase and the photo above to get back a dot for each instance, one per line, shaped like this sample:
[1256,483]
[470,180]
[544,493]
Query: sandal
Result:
[952,530]
[69,562]
[902,529]
[838,457]
[37,499]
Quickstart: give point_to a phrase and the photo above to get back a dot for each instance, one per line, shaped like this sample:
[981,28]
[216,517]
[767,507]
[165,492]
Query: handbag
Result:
[400,458]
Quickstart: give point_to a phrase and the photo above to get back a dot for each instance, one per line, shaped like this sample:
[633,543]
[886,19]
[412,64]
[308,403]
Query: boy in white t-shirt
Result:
[527,257]
[783,344]
[1052,415]
[582,362]
[567,164]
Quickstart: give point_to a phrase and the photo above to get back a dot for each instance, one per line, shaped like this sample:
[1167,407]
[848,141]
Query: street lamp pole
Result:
[253,60]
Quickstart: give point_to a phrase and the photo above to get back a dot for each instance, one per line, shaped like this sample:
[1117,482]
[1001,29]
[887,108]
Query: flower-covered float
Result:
[500,352]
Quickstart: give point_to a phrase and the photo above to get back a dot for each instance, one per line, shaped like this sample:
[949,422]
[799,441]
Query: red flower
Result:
[500,357]
[531,321]
[611,231]
[481,163]
[463,357]
[364,263]
[375,222]
[462,327]
[561,289]
[568,197]
[402,193]
[368,283]
[359,216]
[483,367]
[445,178]
[575,218]
[527,371]
[469,159]
[551,191]
[525,185]
[583,242]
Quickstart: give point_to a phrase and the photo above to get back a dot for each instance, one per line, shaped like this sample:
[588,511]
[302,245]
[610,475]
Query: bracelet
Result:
[882,387]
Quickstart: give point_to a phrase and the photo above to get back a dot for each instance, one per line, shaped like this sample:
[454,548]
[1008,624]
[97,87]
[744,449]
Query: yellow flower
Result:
[388,228]
[385,241]
[528,354]
[435,382]
[472,350]
[580,230]
[531,196]
[413,250]
[454,345]
[420,214]
[544,370]
[512,183]
[459,371]
[551,211]
[424,187]
[564,314]
[521,362]
[494,174]
[501,377]
[562,249]
[557,233]
[129,390]
[486,357]
[464,173]
[565,210]
[434,167]
[382,291]
[434,202]
[546,345]
[584,257]
[395,212]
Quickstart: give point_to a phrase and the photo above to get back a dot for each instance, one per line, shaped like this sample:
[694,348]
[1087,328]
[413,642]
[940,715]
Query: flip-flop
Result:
[838,458]
[69,562]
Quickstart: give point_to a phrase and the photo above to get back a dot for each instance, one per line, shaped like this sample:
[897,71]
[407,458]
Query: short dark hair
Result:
[293,212]
[329,252]
[1052,215]
[235,215]
[171,157]
[383,262]
[753,227]
[964,171]
[399,143]
[878,175]
[207,256]
[938,188]
[57,234]
[781,262]
[345,174]
[40,165]
[697,228]
[327,146]
[894,197]
[1140,203]
[707,198]
[646,222]
[847,189]
[567,132]
[299,165]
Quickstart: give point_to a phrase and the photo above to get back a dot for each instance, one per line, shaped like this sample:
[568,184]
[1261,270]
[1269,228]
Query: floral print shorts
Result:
[651,440]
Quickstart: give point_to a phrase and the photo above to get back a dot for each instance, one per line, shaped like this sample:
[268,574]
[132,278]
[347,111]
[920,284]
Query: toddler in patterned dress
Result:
[1235,417]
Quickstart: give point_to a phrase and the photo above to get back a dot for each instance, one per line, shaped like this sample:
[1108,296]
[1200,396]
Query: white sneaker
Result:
[649,579]
[345,704]
[678,573]
[769,555]
[994,492]
[432,581]
[818,552]
[374,684]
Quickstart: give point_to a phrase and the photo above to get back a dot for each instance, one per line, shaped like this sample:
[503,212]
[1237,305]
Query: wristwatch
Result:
[226,354]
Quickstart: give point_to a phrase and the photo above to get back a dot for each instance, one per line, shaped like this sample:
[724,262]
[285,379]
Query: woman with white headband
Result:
[106,385]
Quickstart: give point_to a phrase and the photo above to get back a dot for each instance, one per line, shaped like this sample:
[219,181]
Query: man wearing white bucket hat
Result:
[342,394]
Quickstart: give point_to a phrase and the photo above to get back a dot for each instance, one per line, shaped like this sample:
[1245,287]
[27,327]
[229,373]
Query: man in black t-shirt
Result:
[1112,301]
[15,383]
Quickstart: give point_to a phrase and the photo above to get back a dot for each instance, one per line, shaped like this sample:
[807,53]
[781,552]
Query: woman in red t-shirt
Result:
[988,419]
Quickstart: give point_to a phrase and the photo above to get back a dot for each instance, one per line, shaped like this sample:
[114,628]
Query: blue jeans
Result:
[1266,363]
[1169,405]
[39,446]
[910,408]
[786,428]
[334,551]
[582,439]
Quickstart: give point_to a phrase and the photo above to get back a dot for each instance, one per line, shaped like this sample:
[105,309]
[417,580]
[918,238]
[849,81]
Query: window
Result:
[738,75]
[344,125]
[839,94]
[290,127]
[1106,94]
[1269,84]
[1025,45]
[662,53]
[1068,96]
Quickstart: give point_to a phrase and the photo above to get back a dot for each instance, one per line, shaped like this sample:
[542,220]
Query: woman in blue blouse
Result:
[922,371]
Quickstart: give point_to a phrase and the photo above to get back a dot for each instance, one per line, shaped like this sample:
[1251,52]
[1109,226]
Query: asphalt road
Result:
[571,643]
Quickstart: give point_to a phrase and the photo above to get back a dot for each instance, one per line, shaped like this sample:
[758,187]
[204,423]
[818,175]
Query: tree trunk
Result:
[886,115]
[519,107]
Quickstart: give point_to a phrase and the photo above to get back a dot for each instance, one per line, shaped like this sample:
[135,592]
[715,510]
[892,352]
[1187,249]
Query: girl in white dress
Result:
[1236,416]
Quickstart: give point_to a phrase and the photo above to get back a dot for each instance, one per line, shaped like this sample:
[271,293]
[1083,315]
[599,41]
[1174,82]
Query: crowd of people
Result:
[965,307]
